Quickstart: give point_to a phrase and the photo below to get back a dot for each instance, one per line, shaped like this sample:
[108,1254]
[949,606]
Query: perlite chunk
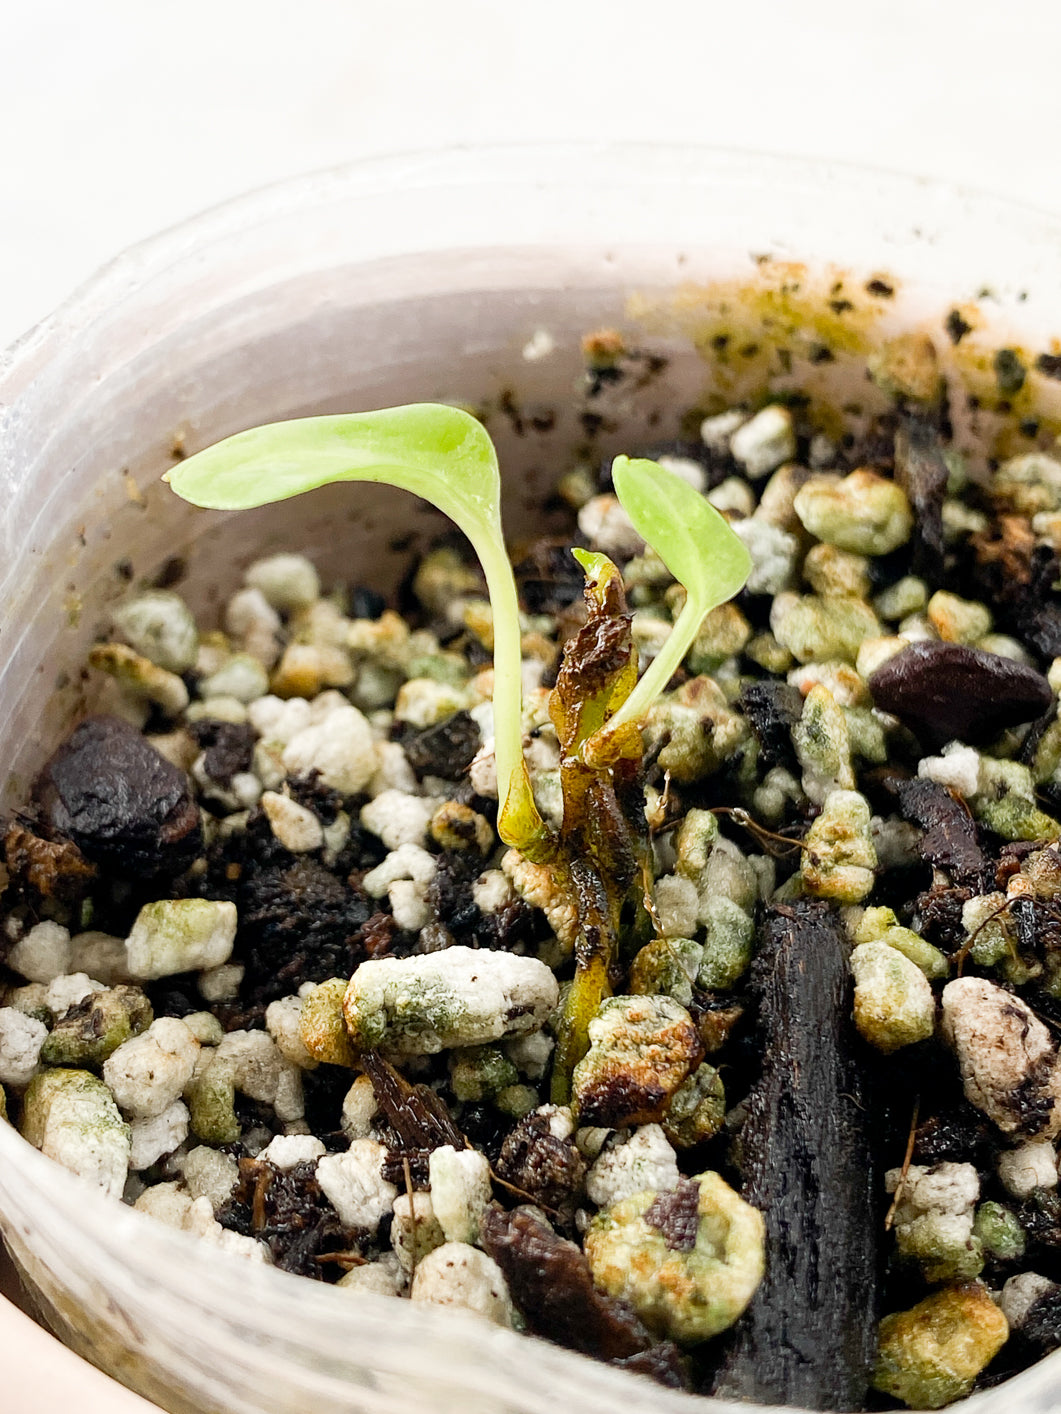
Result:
[697,1108]
[456,1274]
[355,1184]
[159,625]
[688,1261]
[148,1073]
[460,1190]
[727,948]
[862,512]
[180,935]
[71,1116]
[341,747]
[894,1005]
[1008,1063]
[838,856]
[459,997]
[287,581]
[646,1160]
[817,629]
[93,1030]
[934,1219]
[1005,802]
[640,1051]
[932,1354]
[21,1040]
[765,441]
[823,745]
[248,1062]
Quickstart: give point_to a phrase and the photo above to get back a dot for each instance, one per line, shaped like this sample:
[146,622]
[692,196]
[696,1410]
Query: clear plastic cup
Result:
[412,278]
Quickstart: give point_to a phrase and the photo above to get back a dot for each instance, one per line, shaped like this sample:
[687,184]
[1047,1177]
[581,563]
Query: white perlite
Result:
[678,906]
[168,1204]
[284,1151]
[69,1115]
[354,1183]
[152,1138]
[21,1039]
[459,997]
[42,955]
[147,1074]
[398,818]
[287,581]
[180,935]
[1004,1051]
[958,769]
[765,442]
[646,1160]
[460,1191]
[295,827]
[456,1274]
[341,747]
[1020,1294]
[209,1174]
[1031,1165]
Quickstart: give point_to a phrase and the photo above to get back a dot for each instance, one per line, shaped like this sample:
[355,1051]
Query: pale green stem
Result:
[595,750]
[519,824]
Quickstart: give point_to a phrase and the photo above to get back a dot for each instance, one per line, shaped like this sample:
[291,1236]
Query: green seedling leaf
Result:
[437,452]
[702,553]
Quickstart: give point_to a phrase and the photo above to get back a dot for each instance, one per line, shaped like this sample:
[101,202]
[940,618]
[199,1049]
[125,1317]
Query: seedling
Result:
[445,456]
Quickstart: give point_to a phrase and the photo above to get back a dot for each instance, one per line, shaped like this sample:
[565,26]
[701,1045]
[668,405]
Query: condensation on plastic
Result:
[411,278]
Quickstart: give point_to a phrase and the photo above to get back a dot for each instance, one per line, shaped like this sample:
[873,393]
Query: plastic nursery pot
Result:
[421,278]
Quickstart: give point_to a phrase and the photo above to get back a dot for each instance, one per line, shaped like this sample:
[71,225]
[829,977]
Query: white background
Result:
[120,117]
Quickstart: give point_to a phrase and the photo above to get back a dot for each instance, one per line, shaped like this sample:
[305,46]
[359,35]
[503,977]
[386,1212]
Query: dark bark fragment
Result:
[419,1117]
[289,1212]
[228,747]
[550,1282]
[773,709]
[125,807]
[922,473]
[949,840]
[809,1337]
[445,749]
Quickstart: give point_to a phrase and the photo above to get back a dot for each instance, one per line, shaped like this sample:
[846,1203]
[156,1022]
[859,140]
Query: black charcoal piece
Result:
[125,807]
[808,1338]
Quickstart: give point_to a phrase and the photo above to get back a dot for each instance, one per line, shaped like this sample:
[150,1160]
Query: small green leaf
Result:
[434,451]
[697,545]
[692,539]
[437,452]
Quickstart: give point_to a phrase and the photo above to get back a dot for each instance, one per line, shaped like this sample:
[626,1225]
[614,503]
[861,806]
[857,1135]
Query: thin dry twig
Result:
[890,1217]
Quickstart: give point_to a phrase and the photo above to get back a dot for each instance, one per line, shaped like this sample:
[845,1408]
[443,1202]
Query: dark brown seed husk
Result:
[949,840]
[550,1282]
[952,692]
[809,1336]
[125,807]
